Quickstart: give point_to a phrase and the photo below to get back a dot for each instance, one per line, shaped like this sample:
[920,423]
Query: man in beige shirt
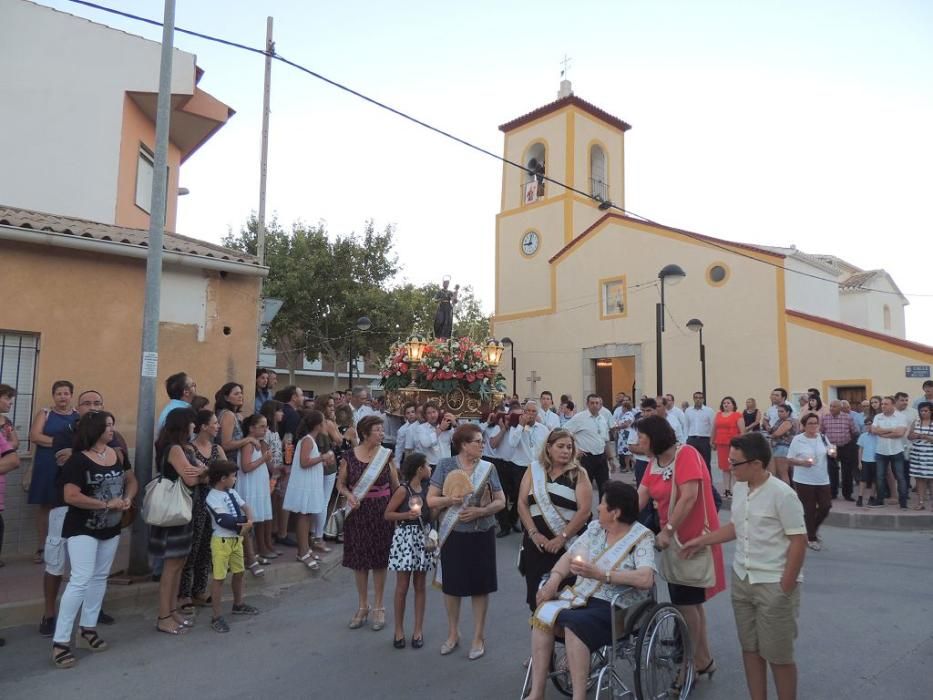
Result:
[771,540]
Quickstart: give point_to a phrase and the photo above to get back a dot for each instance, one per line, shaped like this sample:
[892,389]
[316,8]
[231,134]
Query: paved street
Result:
[866,631]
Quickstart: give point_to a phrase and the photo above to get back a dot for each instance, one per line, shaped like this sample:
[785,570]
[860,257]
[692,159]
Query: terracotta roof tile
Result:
[174,242]
[582,104]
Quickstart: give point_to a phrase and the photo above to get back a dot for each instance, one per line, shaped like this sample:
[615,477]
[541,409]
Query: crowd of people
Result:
[428,495]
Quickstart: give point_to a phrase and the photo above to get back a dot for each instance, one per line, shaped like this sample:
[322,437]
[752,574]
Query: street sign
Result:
[917,371]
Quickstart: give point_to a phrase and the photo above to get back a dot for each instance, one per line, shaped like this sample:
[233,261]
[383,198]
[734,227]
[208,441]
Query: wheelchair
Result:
[653,642]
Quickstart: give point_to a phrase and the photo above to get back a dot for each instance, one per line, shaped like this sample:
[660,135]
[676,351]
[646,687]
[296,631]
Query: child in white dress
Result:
[253,487]
[304,495]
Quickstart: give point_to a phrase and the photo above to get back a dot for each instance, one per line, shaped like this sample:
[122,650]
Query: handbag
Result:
[166,503]
[334,525]
[699,570]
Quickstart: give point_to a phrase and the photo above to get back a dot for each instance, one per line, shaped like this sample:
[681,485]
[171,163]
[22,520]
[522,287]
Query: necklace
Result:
[101,454]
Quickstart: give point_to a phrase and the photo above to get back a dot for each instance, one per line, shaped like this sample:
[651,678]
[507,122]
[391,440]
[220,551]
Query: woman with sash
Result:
[692,512]
[467,536]
[367,478]
[554,505]
[614,555]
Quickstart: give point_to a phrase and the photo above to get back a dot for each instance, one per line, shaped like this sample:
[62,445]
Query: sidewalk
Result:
[21,598]
[846,514]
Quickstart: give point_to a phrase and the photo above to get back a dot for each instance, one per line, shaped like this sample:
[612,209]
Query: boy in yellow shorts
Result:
[232,520]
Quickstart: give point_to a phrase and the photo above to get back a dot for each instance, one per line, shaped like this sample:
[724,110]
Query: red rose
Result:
[429,376]
[403,367]
[470,377]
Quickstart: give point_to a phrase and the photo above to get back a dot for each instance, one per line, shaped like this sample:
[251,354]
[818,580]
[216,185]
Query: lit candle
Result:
[578,558]
[416,509]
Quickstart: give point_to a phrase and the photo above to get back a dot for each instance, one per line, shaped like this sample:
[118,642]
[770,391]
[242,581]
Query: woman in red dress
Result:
[727,425]
[693,511]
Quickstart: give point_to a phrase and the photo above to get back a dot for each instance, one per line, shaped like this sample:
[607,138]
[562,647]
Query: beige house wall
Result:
[87,310]
[589,131]
[825,356]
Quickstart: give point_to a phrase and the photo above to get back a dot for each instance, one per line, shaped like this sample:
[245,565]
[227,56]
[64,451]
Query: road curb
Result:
[135,596]
[872,520]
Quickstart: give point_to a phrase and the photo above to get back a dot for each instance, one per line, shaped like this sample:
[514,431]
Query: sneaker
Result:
[104,619]
[47,626]
[245,609]
[873,503]
[859,503]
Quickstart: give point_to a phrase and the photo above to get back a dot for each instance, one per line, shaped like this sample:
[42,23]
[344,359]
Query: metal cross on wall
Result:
[534,379]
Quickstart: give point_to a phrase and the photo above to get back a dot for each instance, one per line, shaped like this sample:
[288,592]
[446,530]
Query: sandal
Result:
[309,561]
[89,639]
[39,558]
[256,570]
[379,619]
[359,619]
[919,506]
[321,547]
[218,624]
[203,602]
[262,560]
[183,623]
[177,629]
[62,656]
[187,609]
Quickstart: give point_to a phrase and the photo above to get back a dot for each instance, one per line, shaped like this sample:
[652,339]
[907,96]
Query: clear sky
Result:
[771,122]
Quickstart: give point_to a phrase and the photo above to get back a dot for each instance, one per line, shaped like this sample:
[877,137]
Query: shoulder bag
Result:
[699,570]
[166,503]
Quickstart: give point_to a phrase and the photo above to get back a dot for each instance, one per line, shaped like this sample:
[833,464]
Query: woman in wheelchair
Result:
[613,556]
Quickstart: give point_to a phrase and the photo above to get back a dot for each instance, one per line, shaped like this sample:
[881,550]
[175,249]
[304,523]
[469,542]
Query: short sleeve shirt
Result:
[220,502]
[802,447]
[764,519]
[867,441]
[890,445]
[449,464]
[689,467]
[95,481]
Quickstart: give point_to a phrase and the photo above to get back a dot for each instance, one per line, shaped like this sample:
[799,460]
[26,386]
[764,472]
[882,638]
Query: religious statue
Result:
[444,317]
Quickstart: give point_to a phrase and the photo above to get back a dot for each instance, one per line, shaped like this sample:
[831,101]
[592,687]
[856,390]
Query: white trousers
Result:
[91,560]
[320,519]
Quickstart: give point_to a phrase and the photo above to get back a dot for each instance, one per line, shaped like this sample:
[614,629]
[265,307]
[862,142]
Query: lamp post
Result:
[508,341]
[696,325]
[362,324]
[672,274]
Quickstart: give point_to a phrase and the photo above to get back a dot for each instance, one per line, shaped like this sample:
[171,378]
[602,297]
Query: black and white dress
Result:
[921,453]
[408,552]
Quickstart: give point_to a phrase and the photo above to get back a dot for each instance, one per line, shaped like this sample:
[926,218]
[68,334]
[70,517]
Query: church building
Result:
[578,287]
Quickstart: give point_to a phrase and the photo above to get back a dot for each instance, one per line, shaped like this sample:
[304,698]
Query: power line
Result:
[725,246]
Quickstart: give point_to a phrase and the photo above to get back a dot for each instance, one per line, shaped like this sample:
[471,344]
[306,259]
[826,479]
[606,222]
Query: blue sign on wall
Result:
[917,371]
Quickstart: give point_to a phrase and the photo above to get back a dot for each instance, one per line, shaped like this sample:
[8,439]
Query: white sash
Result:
[578,595]
[372,472]
[451,516]
[553,516]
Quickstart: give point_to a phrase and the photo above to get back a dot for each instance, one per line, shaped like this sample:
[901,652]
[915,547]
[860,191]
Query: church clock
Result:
[530,243]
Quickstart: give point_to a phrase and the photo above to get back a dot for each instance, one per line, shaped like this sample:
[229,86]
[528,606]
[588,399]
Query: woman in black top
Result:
[570,493]
[97,486]
[175,457]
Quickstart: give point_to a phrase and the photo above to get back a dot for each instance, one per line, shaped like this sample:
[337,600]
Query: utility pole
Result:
[263,170]
[149,364]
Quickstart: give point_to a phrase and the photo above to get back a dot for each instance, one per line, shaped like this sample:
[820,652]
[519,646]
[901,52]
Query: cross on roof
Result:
[566,67]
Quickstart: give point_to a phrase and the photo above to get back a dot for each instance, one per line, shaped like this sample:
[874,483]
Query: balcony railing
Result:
[599,189]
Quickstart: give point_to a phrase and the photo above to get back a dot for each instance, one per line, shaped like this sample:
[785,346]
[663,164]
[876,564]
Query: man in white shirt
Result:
[663,410]
[546,412]
[778,397]
[890,427]
[526,439]
[675,411]
[590,429]
[770,544]
[405,437]
[700,426]
[359,401]
[927,393]
[433,436]
[508,516]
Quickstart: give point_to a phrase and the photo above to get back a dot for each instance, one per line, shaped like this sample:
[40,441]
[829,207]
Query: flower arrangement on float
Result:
[444,365]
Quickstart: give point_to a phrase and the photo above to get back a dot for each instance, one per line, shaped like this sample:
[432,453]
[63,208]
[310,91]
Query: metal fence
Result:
[19,355]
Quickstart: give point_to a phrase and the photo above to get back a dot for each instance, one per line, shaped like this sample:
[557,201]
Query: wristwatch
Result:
[564,535]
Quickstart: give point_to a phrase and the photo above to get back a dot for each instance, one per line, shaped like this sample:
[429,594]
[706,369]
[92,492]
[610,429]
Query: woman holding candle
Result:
[554,505]
[468,541]
[409,556]
[808,454]
[613,556]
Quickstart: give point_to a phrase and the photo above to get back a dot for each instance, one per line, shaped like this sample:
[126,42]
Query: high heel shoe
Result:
[710,669]
[359,619]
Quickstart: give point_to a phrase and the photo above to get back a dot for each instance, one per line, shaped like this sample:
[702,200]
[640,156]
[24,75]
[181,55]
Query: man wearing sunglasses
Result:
[771,540]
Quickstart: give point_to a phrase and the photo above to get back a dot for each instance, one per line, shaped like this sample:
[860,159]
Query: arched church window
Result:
[599,187]
[534,173]
[887,317]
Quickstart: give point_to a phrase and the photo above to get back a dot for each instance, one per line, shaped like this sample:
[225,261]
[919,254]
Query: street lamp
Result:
[492,352]
[508,341]
[672,274]
[696,325]
[363,324]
